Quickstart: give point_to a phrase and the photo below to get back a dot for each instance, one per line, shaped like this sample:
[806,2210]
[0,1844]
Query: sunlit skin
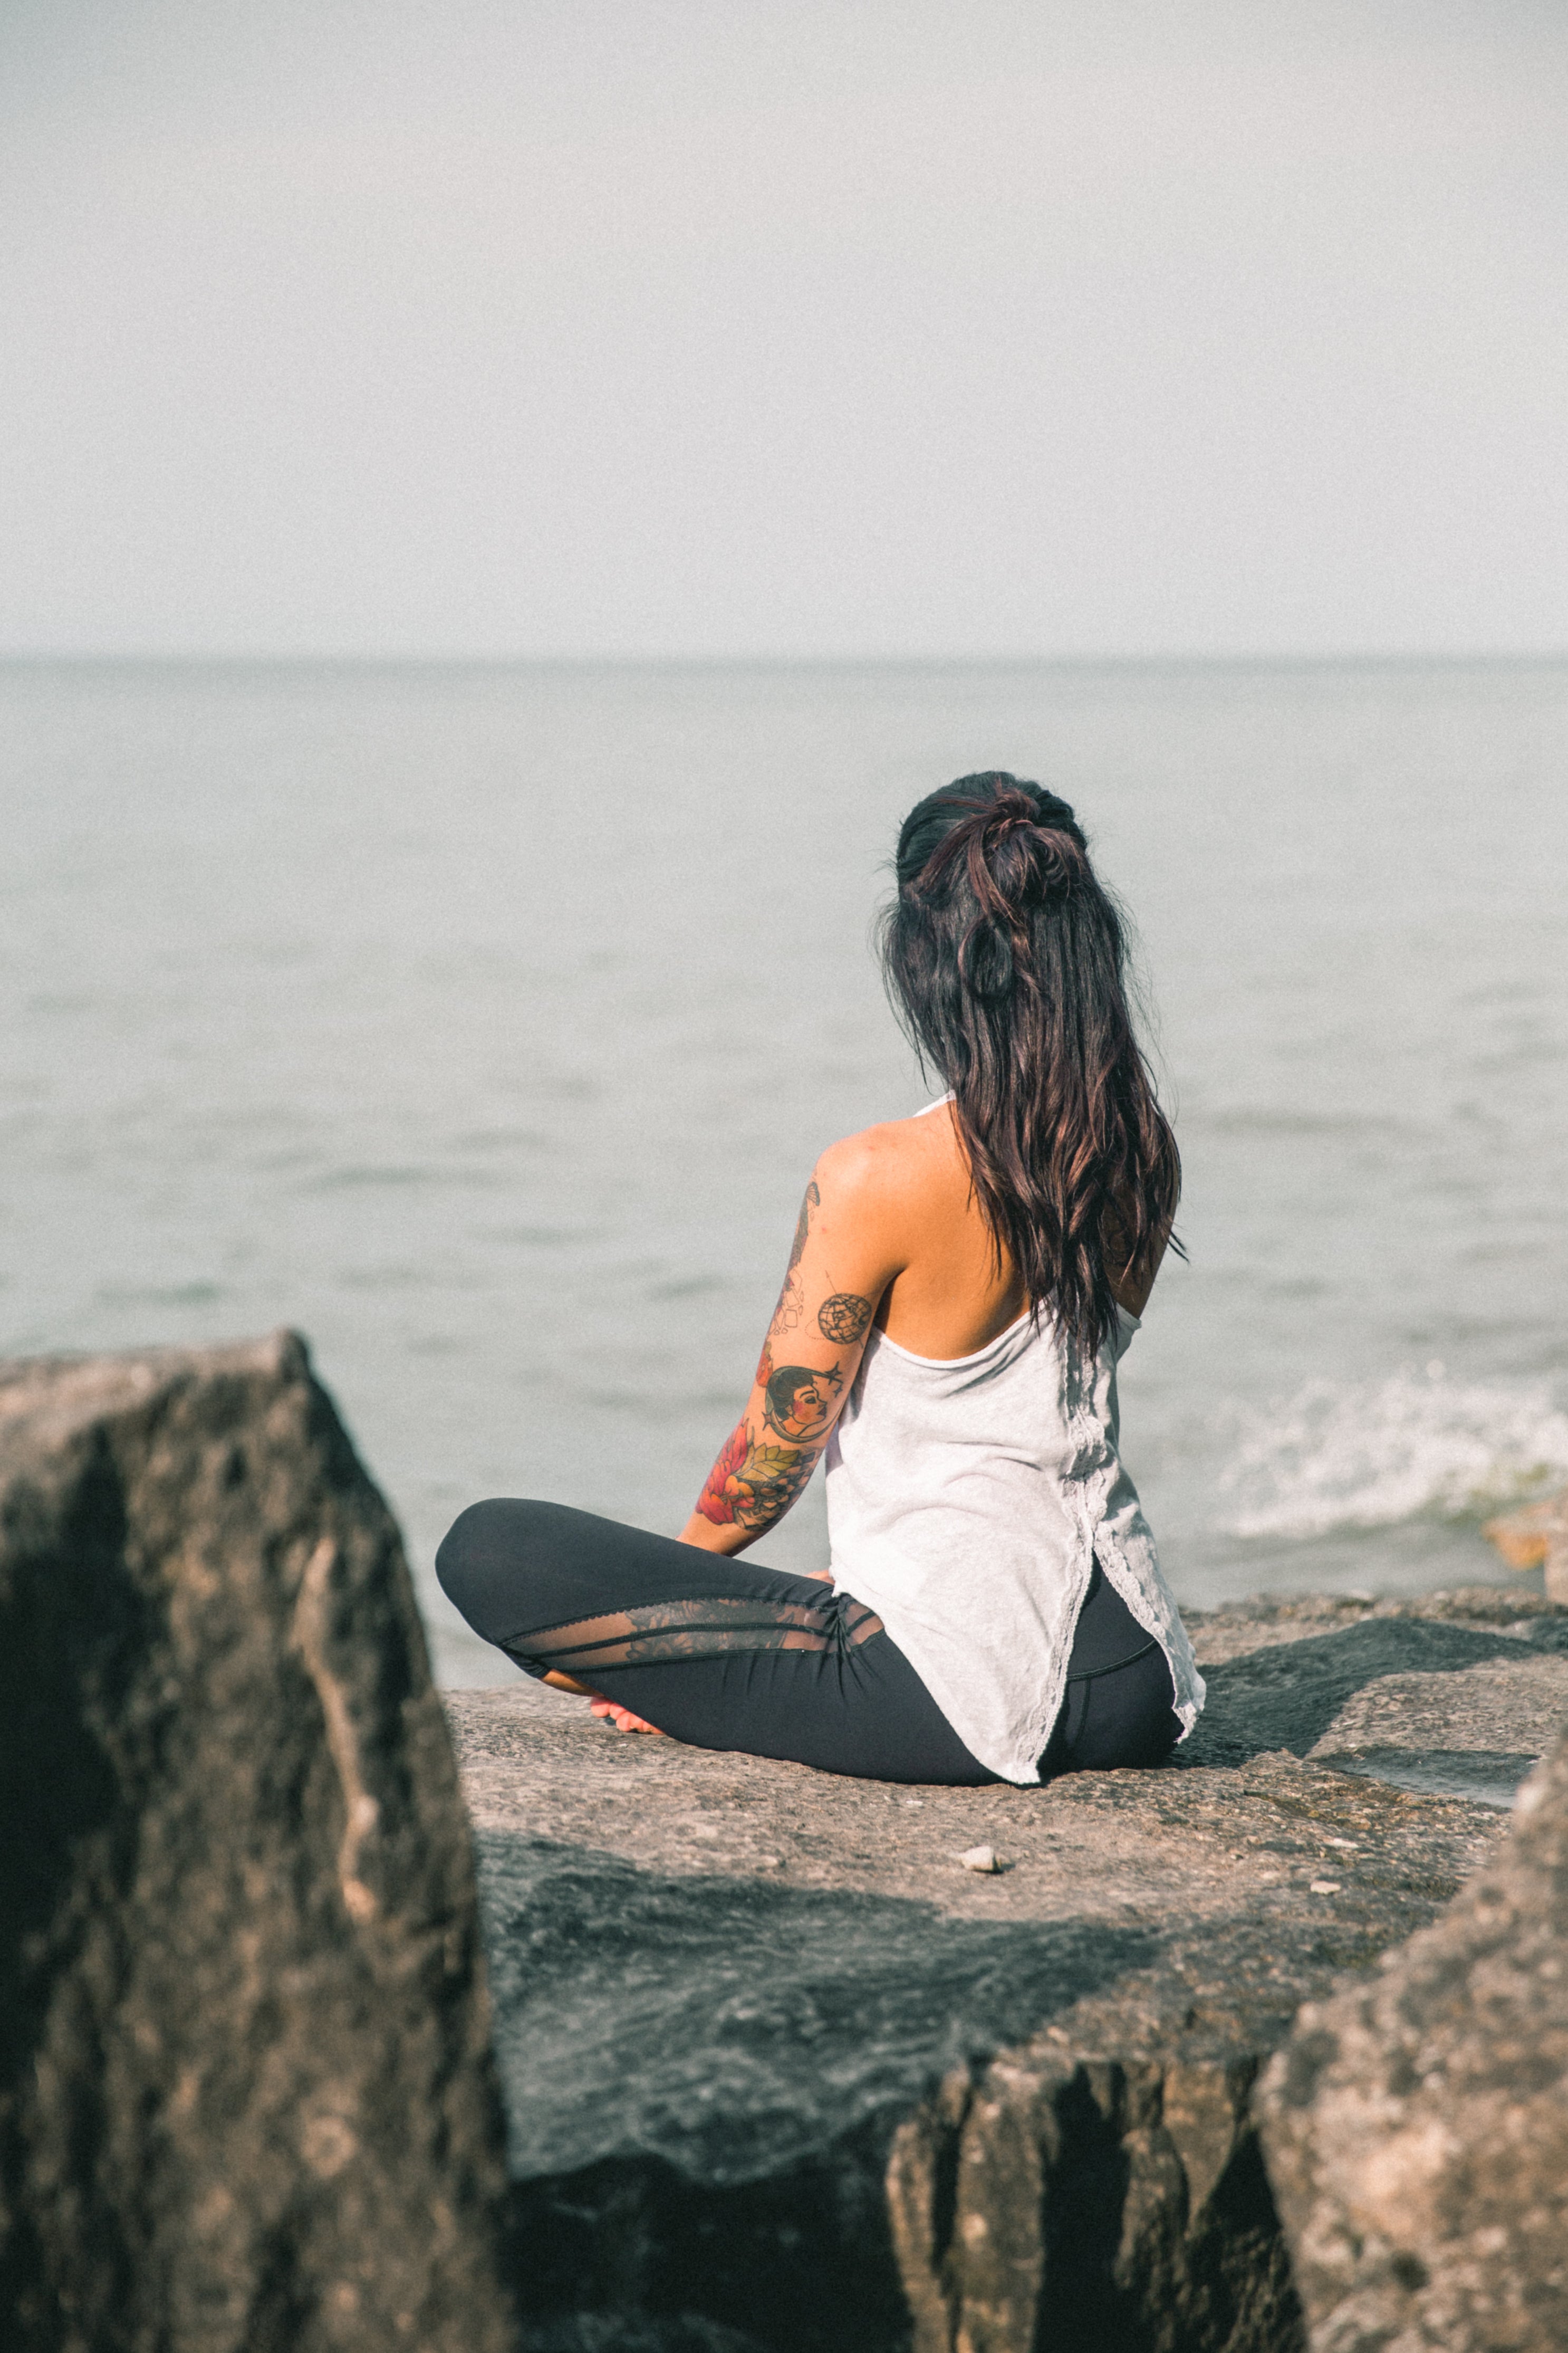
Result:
[889,1239]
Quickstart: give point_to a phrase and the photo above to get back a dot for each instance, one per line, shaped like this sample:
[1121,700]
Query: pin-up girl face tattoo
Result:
[798,1403]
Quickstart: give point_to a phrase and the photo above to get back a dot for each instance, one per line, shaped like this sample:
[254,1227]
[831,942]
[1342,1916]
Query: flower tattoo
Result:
[752,1484]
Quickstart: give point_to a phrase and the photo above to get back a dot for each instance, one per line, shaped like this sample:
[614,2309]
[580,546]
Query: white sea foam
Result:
[1365,1456]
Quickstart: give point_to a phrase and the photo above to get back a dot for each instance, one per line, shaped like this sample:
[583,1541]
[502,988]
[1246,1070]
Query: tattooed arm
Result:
[842,1259]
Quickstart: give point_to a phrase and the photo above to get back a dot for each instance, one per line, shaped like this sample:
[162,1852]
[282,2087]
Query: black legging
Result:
[724,1653]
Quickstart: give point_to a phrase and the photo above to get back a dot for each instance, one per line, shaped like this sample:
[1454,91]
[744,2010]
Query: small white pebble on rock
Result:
[1325,1887]
[980,1858]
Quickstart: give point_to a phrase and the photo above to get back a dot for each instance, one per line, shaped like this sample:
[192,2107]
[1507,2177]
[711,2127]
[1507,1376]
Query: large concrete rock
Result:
[1417,2127]
[782,2074]
[246,2096]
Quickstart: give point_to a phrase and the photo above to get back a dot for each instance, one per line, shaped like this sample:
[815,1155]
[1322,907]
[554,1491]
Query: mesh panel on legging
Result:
[659,1633]
[742,1657]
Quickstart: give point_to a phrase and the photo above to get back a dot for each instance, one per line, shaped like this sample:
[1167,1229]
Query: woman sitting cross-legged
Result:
[961,1288]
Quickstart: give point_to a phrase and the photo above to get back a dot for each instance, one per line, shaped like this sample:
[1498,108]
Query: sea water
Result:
[485,1022]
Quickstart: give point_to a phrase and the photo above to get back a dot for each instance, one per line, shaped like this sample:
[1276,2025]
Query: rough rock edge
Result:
[1233,1627]
[1417,2130]
[1132,2102]
[247,2097]
[1117,2201]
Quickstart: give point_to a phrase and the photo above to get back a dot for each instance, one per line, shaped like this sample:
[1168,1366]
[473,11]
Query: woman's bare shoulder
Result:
[897,1160]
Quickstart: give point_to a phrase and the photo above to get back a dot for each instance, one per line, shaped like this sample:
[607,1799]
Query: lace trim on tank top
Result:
[662,1631]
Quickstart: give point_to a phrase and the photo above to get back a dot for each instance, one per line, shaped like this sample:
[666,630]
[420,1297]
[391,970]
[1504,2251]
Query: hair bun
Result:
[1023,858]
[1015,845]
[1012,807]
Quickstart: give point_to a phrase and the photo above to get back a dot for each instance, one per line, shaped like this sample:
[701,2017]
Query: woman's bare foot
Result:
[621,1717]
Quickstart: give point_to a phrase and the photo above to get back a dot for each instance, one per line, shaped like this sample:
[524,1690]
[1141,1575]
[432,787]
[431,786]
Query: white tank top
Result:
[968,1499]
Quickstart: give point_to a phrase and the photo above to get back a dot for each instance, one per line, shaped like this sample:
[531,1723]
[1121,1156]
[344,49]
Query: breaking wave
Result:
[1365,1456]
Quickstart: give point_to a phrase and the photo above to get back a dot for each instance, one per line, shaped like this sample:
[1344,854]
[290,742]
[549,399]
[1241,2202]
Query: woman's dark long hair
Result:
[1007,962]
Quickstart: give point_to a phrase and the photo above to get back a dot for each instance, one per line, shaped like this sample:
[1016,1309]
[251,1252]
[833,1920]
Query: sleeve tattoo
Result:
[791,1298]
[755,1480]
[752,1484]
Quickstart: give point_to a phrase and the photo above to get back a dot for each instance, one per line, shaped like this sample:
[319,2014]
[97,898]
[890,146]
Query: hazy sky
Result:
[778,327]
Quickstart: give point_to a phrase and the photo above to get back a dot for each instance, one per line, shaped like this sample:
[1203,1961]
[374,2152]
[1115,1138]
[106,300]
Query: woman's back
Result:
[955,1290]
[973,1477]
[952,1295]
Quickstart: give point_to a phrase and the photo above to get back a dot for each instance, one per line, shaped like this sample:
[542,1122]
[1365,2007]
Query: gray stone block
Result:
[779,2065]
[246,2100]
[1417,2126]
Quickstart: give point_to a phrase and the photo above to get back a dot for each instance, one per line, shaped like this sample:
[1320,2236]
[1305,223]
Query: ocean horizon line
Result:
[709,663]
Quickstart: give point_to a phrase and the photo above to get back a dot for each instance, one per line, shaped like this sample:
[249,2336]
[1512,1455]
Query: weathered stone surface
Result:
[246,2097]
[779,2065]
[1417,2127]
[1454,1694]
[1536,1537]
